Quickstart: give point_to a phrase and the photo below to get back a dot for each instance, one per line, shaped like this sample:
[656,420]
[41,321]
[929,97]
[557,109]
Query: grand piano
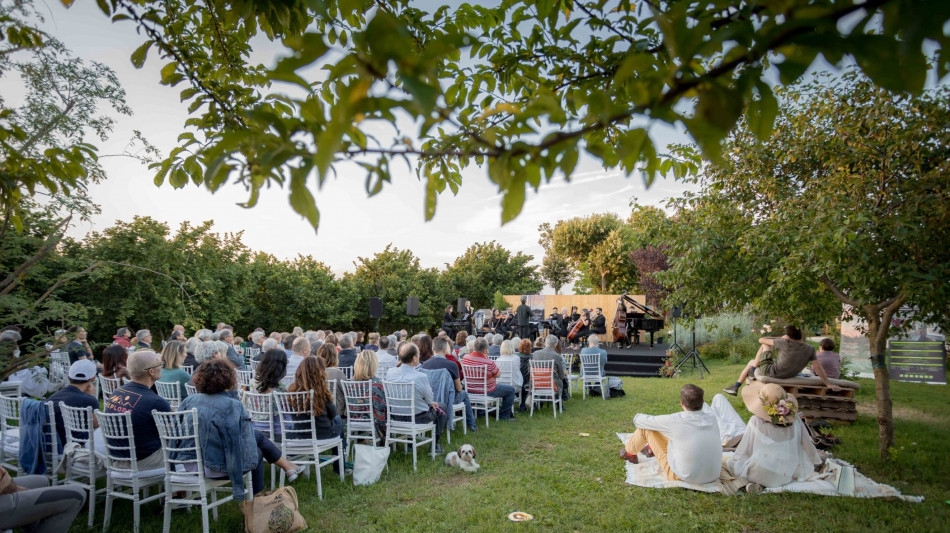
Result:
[641,318]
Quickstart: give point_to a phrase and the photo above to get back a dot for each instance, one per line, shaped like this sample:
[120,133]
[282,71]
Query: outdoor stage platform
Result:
[638,361]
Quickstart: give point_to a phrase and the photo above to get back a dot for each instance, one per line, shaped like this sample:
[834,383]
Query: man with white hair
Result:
[593,347]
[300,349]
[227,336]
[548,354]
[393,346]
[203,334]
[347,356]
[257,338]
[495,347]
[136,396]
[206,350]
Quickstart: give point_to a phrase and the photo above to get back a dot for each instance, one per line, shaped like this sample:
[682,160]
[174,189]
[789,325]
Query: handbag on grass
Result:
[369,463]
[273,512]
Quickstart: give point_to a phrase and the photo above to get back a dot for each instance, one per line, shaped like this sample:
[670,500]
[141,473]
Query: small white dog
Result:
[464,458]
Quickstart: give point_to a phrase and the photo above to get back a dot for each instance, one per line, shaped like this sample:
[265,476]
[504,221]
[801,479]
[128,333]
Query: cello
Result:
[576,329]
[620,322]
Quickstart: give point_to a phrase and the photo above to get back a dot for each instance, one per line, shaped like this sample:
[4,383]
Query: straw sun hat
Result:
[771,403]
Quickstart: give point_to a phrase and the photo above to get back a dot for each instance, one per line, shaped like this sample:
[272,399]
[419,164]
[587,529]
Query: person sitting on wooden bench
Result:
[794,354]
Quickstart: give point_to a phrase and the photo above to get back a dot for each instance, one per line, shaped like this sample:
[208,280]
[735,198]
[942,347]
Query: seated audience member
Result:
[507,354]
[794,354]
[30,504]
[775,448]
[229,443]
[424,343]
[524,357]
[593,347]
[206,350]
[427,409]
[271,371]
[190,346]
[550,353]
[539,343]
[686,444]
[311,375]
[330,356]
[494,348]
[257,339]
[80,392]
[334,341]
[143,339]
[114,359]
[137,397]
[828,359]
[461,338]
[300,349]
[173,356]
[373,342]
[496,390]
[358,341]
[288,344]
[364,369]
[122,337]
[382,354]
[441,349]
[78,348]
[204,335]
[297,331]
[227,336]
[393,348]
[347,353]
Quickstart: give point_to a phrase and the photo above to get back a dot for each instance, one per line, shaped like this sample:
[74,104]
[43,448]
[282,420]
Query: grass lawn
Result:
[573,483]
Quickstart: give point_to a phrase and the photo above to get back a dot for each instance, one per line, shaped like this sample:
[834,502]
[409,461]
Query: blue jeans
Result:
[507,395]
[270,453]
[462,396]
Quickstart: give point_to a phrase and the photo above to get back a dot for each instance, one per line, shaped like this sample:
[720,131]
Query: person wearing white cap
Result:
[81,392]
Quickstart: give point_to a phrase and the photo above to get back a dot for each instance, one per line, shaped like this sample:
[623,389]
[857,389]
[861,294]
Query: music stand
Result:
[693,356]
[675,346]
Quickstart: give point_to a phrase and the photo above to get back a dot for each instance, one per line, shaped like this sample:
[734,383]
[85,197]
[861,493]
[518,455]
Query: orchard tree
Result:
[520,88]
[557,271]
[649,262]
[488,267]
[601,243]
[846,202]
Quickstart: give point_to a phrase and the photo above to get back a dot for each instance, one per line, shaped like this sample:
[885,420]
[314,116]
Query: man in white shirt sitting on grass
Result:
[686,444]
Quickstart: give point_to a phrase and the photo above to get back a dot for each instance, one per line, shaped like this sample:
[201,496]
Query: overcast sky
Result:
[351,225]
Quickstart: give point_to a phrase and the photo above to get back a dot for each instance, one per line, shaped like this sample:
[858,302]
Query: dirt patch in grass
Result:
[903,413]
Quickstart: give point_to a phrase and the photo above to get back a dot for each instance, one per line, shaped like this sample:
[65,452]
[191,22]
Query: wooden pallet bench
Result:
[817,401]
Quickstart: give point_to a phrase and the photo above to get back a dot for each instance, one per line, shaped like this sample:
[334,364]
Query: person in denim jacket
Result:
[229,444]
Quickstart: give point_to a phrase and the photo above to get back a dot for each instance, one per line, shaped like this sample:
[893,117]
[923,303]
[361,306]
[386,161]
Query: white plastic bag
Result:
[368,463]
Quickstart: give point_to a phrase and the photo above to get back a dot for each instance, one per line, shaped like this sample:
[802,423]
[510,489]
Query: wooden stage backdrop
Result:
[607,302]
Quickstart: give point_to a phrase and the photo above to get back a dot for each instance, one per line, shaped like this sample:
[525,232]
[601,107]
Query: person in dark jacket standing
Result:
[523,314]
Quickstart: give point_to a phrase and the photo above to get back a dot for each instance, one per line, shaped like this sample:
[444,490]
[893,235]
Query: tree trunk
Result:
[882,387]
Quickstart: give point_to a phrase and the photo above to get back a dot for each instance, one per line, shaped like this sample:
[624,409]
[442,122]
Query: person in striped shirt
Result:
[506,392]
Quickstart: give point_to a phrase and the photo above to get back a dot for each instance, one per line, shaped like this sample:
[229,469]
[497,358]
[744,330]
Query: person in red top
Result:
[495,390]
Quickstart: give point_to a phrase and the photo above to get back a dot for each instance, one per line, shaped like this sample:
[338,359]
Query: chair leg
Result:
[108,511]
[136,513]
[204,513]
[167,519]
[414,450]
[339,449]
[214,511]
[92,501]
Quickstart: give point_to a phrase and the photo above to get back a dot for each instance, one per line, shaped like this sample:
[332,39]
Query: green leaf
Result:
[762,111]
[168,73]
[301,199]
[140,53]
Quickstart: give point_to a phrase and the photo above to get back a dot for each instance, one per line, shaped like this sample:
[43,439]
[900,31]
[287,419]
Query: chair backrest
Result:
[507,369]
[245,379]
[400,400]
[250,355]
[347,371]
[382,368]
[181,446]
[568,363]
[58,371]
[296,415]
[253,364]
[119,441]
[190,389]
[476,379]
[11,389]
[109,385]
[359,400]
[190,369]
[9,418]
[59,355]
[171,391]
[286,381]
[590,364]
[78,423]
[542,375]
[261,409]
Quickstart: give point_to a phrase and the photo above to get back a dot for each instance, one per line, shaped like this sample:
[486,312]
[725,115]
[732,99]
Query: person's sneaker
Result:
[731,390]
[754,488]
[647,451]
[627,457]
[438,449]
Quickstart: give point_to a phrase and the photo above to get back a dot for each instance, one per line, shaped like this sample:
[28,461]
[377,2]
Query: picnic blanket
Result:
[648,474]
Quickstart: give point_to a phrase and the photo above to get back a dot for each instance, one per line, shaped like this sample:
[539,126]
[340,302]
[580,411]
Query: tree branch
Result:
[839,293]
[11,282]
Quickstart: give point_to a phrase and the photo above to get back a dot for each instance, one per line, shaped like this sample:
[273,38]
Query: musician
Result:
[524,319]
[575,316]
[504,325]
[556,320]
[468,315]
[447,321]
[598,323]
[585,322]
[492,323]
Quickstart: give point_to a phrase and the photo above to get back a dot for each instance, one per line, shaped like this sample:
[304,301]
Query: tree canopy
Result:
[846,201]
[487,268]
[519,88]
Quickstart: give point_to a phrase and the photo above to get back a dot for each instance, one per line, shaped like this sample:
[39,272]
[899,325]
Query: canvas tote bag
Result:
[273,512]
[368,463]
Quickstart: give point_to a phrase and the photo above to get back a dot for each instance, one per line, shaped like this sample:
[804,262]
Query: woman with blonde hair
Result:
[173,355]
[364,369]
